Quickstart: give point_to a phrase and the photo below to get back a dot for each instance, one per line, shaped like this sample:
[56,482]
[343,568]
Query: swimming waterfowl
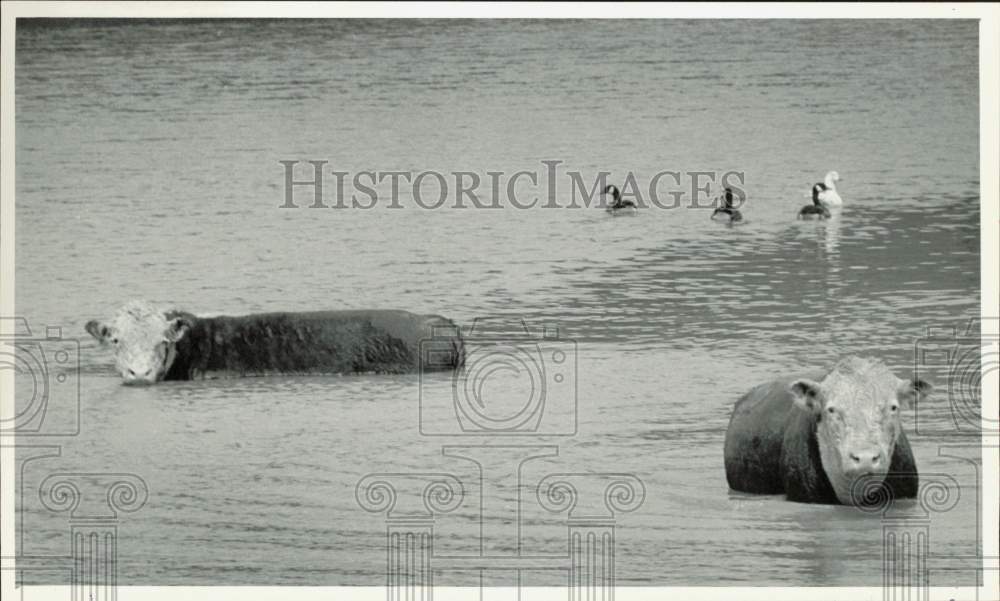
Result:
[829,196]
[617,203]
[726,212]
[816,209]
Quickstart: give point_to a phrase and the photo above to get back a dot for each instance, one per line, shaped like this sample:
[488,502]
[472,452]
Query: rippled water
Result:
[147,167]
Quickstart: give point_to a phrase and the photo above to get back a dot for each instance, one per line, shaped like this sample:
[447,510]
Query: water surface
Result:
[147,167]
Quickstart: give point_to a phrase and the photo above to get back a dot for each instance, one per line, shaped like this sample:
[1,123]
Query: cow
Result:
[152,344]
[826,438]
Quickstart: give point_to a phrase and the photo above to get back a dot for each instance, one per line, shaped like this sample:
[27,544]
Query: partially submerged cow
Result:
[152,344]
[824,440]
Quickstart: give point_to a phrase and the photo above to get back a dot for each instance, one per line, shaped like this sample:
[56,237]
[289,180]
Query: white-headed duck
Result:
[828,196]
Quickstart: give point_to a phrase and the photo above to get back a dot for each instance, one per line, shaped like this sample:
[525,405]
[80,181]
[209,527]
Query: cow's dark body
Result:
[322,342]
[771,448]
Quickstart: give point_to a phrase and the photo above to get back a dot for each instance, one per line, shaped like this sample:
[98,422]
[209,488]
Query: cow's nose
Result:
[865,460]
[131,377]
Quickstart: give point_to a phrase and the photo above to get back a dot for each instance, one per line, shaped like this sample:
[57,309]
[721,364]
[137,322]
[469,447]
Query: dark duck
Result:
[816,210]
[618,205]
[726,212]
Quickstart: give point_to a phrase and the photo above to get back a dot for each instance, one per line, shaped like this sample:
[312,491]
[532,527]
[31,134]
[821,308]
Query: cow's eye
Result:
[893,407]
[114,341]
[830,410]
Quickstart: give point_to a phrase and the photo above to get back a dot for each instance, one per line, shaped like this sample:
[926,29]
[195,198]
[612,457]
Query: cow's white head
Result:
[857,409]
[144,340]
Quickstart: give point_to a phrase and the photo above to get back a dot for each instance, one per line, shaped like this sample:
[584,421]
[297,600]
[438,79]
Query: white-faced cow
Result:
[826,439]
[152,344]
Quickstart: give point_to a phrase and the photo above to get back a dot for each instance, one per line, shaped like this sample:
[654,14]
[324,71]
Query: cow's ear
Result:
[101,331]
[807,394]
[913,391]
[177,328]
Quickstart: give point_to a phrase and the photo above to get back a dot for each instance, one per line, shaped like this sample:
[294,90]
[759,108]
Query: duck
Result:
[617,203]
[816,209]
[829,196]
[726,212]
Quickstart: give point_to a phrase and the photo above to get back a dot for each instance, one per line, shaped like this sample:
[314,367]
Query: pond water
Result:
[148,167]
